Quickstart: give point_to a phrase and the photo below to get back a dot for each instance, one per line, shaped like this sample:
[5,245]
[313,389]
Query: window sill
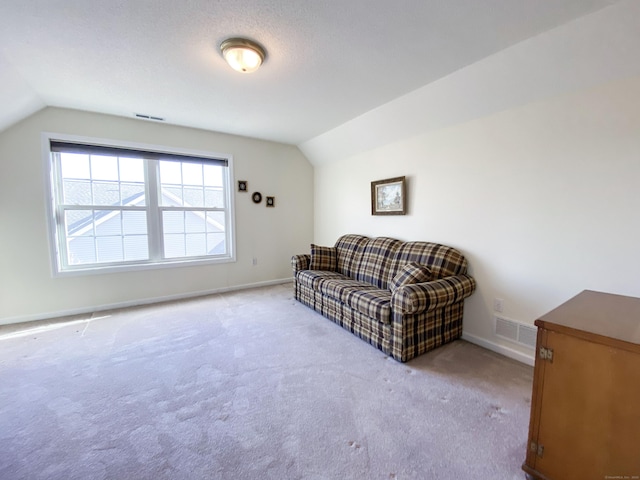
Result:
[108,269]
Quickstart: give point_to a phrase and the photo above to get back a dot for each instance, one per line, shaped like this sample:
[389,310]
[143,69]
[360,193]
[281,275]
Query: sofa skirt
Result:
[368,329]
[405,338]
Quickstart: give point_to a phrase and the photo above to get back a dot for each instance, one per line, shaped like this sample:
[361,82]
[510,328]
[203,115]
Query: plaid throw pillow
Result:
[323,258]
[411,273]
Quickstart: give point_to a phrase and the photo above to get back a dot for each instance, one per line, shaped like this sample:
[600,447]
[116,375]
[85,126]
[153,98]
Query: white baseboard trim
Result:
[137,303]
[501,349]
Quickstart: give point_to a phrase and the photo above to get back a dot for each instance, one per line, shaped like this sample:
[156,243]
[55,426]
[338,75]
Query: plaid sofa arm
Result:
[420,297]
[300,262]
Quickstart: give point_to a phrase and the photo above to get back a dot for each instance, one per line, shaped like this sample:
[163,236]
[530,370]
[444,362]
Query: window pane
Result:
[173,222]
[191,174]
[216,243]
[104,168]
[109,249]
[216,236]
[74,165]
[213,175]
[106,193]
[174,245]
[76,192]
[195,222]
[132,194]
[78,222]
[213,197]
[81,250]
[170,173]
[193,196]
[131,170]
[171,197]
[134,223]
[215,222]
[196,244]
[108,222]
[136,248]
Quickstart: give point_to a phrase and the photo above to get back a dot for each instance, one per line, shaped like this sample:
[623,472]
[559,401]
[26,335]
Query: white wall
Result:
[27,289]
[527,161]
[587,52]
[543,199]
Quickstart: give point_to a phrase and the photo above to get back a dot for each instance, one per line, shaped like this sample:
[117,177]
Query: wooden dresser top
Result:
[604,315]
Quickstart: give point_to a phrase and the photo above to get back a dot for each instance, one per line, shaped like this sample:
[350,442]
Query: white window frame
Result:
[55,225]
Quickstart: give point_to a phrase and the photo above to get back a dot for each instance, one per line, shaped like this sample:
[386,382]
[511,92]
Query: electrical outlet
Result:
[498,305]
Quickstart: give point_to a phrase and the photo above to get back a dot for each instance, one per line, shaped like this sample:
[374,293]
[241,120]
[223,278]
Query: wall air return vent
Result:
[516,332]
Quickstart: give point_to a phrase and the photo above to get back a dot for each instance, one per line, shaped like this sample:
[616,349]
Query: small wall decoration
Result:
[388,197]
[256,197]
[242,185]
[271,201]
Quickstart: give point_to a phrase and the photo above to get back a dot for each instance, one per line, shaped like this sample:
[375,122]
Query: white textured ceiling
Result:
[328,61]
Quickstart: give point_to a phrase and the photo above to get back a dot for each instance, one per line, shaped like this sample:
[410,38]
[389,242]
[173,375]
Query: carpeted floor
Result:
[251,385]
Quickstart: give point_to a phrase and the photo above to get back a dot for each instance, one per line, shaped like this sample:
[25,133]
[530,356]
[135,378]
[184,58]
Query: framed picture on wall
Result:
[388,197]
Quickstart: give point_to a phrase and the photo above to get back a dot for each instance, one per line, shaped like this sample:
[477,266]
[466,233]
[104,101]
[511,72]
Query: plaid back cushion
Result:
[443,261]
[411,273]
[376,261]
[323,258]
[349,252]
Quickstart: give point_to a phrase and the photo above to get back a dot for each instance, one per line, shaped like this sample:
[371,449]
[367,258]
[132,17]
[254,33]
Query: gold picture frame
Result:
[389,197]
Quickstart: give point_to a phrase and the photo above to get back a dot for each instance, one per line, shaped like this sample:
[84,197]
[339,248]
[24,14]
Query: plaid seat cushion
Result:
[314,278]
[411,273]
[323,258]
[364,298]
[374,303]
[339,288]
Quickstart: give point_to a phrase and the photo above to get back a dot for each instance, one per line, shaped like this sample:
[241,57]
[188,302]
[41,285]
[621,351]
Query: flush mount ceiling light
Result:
[242,54]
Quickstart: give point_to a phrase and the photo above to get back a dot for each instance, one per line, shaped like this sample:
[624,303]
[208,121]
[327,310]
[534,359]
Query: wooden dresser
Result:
[585,407]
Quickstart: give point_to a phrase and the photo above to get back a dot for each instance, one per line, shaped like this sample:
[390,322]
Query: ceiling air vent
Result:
[516,332]
[149,117]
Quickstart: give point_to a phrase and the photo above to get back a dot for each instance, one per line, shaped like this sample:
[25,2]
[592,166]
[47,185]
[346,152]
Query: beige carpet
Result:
[251,385]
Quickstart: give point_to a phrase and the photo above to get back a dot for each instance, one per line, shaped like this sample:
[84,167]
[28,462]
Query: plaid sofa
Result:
[404,298]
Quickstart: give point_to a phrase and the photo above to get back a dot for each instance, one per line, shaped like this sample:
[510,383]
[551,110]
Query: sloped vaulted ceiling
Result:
[328,61]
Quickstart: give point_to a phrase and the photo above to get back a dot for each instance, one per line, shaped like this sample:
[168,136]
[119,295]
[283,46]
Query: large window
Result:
[117,206]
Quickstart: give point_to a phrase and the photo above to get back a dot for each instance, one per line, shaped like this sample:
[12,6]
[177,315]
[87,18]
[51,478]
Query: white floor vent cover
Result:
[516,332]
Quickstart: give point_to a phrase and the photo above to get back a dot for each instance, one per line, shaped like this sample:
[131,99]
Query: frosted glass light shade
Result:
[242,55]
